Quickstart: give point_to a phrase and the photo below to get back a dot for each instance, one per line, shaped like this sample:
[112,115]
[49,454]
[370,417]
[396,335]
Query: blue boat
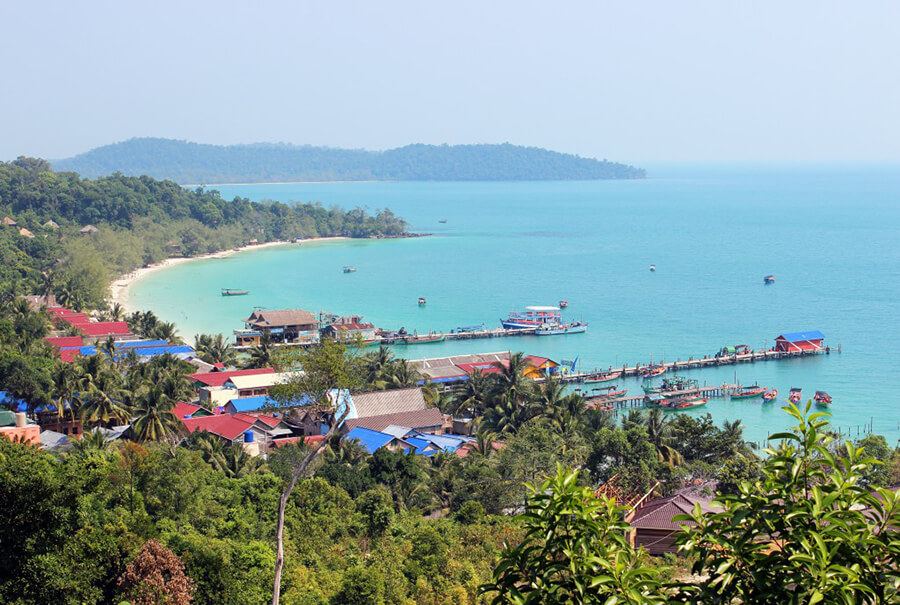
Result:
[533,318]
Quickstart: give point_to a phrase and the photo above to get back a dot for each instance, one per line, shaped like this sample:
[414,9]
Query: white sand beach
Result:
[119,288]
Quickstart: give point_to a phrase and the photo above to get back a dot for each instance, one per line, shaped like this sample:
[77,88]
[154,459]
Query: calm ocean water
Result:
[830,234]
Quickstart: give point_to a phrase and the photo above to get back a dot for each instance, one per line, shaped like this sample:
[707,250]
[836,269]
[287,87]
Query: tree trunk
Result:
[298,471]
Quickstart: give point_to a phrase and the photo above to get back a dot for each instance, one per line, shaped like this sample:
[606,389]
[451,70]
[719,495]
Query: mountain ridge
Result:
[189,162]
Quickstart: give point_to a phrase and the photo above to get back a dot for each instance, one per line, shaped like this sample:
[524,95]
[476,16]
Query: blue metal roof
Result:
[250,404]
[420,445]
[131,344]
[448,443]
[16,405]
[798,336]
[369,439]
[173,350]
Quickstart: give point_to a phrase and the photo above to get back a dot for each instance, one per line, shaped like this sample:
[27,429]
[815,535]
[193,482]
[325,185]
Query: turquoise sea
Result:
[831,235]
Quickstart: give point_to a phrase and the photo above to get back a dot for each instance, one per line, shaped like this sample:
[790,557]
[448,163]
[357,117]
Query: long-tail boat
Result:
[796,395]
[822,398]
[748,392]
[770,395]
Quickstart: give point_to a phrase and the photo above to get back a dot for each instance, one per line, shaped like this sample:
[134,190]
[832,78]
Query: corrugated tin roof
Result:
[103,328]
[281,317]
[250,404]
[379,403]
[416,419]
[371,440]
[800,336]
[217,379]
[658,514]
[257,381]
[65,341]
[224,425]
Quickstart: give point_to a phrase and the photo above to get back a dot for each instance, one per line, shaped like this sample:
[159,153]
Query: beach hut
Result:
[88,230]
[799,341]
[26,233]
[7,221]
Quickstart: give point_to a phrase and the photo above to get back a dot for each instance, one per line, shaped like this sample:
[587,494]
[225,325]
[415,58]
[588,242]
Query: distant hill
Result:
[195,163]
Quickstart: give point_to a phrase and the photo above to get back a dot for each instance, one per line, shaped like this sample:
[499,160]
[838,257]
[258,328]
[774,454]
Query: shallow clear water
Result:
[830,234]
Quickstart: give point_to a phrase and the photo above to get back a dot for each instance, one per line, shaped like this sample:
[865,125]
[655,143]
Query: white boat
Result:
[552,330]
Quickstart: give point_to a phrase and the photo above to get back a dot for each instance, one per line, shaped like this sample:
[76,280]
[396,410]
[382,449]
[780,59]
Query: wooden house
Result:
[283,326]
[800,341]
[652,525]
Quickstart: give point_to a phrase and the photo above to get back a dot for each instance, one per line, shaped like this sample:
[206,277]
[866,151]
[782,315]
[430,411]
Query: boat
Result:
[601,377]
[610,392]
[672,383]
[349,269]
[421,340]
[467,329]
[652,371]
[422,301]
[234,292]
[443,221]
[681,403]
[532,318]
[770,395]
[553,330]
[769,279]
[796,395]
[748,392]
[652,268]
[563,304]
[822,398]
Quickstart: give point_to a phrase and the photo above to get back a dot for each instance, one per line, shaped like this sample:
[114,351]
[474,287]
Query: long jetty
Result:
[634,401]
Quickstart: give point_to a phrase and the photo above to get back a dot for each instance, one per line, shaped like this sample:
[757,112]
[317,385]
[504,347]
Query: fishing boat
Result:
[553,330]
[421,340]
[691,402]
[422,301]
[532,318]
[601,377]
[349,269]
[443,221]
[234,292]
[770,395]
[563,304]
[769,279]
[822,398]
[672,383]
[676,403]
[748,392]
[467,329]
[796,395]
[610,392]
[652,371]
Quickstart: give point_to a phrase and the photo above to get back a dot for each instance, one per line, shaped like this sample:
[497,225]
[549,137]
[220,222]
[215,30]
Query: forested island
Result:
[69,236]
[193,163]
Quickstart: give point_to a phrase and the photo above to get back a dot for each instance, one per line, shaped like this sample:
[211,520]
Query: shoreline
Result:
[119,288]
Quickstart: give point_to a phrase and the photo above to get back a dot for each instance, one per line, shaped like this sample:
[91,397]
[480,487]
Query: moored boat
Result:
[422,301]
[822,398]
[769,279]
[420,340]
[553,330]
[234,292]
[652,267]
[532,318]
[349,269]
[563,304]
[795,395]
[651,371]
[467,329]
[601,377]
[610,392]
[770,395]
[748,392]
[672,383]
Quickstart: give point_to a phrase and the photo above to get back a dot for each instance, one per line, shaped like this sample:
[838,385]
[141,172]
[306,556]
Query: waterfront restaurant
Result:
[293,326]
[799,341]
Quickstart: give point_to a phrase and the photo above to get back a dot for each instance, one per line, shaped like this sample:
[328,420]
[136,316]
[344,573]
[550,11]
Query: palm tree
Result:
[474,395]
[116,312]
[67,384]
[401,375]
[511,380]
[215,349]
[167,331]
[375,363]
[235,462]
[153,417]
[105,400]
[261,355]
[659,431]
[484,443]
[91,441]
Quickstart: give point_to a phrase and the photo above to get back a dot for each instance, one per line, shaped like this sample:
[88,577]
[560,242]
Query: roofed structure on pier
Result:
[799,341]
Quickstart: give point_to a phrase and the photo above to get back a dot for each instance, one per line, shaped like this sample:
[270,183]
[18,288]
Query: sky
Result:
[654,80]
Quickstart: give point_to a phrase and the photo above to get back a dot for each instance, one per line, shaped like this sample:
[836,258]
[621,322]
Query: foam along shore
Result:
[119,289]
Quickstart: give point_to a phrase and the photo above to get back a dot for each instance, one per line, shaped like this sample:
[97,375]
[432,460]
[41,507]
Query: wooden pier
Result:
[636,401]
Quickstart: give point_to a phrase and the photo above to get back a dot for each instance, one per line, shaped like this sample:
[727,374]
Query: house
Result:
[652,527]
[216,396]
[347,329]
[247,404]
[101,330]
[251,385]
[26,233]
[373,440]
[88,230]
[539,367]
[286,325]
[16,427]
[429,421]
[379,403]
[217,379]
[51,440]
[457,368]
[8,222]
[64,342]
[800,341]
[189,410]
[254,433]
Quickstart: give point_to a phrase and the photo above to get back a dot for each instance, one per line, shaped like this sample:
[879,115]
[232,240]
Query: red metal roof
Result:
[182,409]
[65,341]
[69,355]
[658,514]
[486,367]
[224,425]
[217,379]
[104,328]
[269,421]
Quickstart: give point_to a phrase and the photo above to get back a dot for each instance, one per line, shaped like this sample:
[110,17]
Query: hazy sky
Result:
[630,81]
